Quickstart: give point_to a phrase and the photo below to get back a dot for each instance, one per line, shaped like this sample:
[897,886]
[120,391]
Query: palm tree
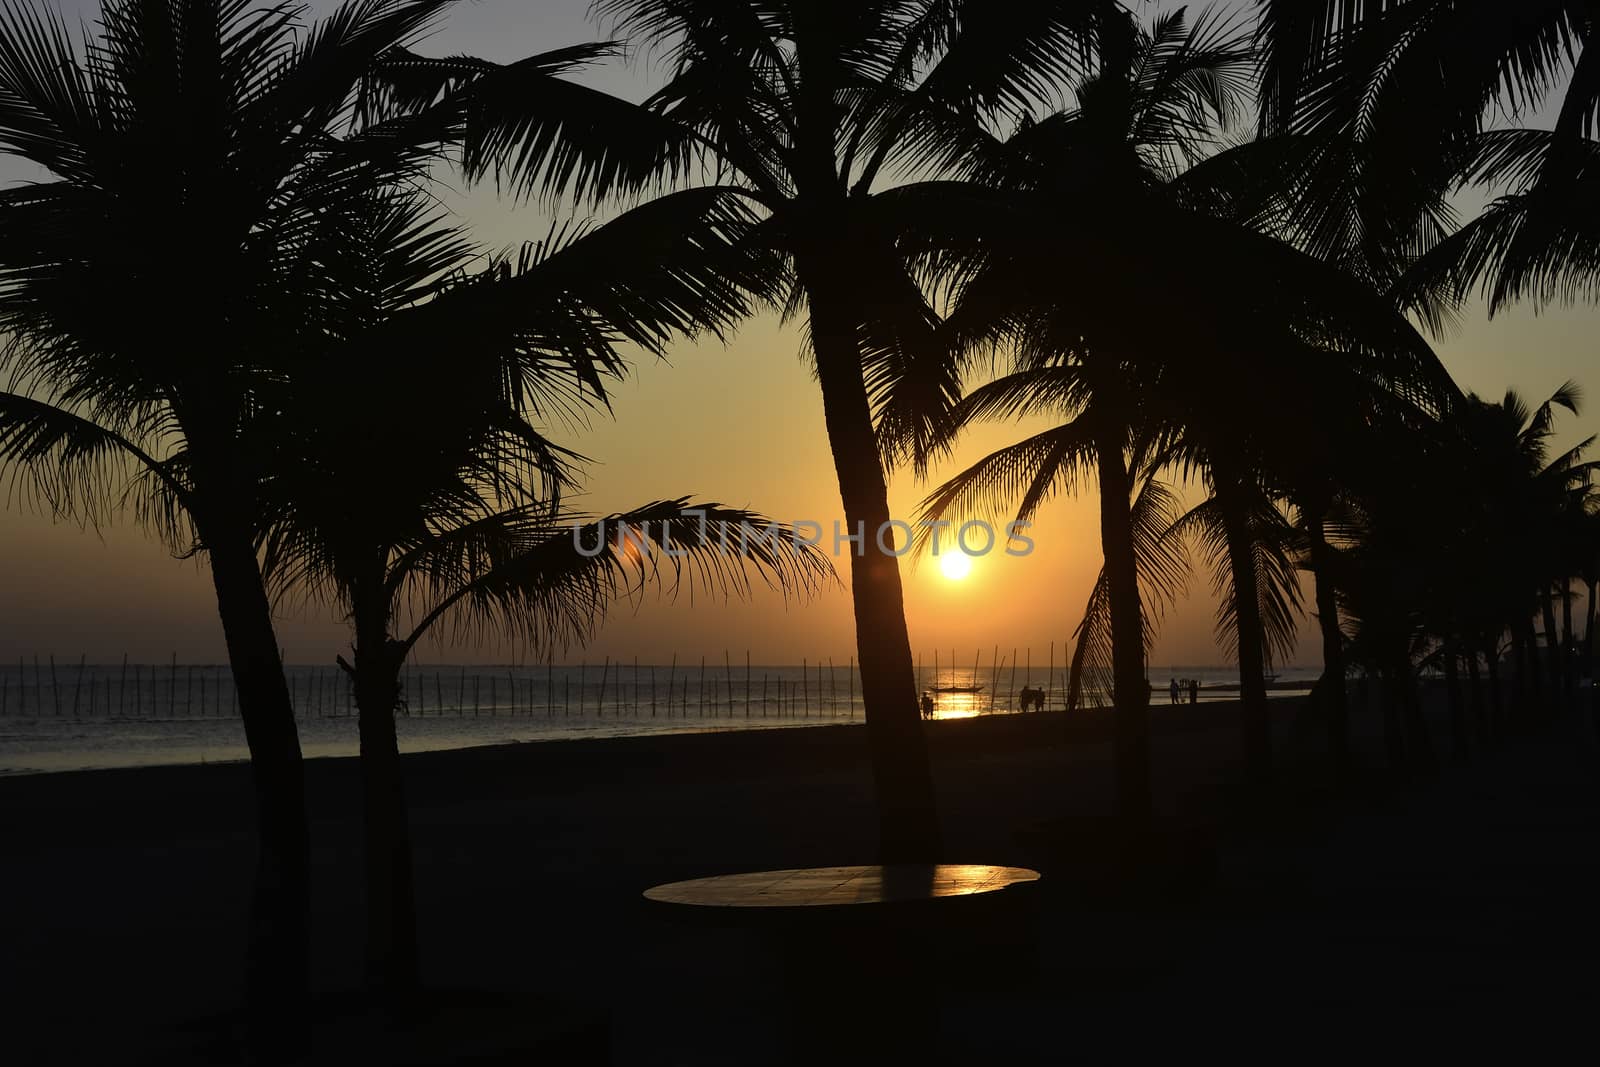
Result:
[188,149]
[457,515]
[1394,99]
[807,111]
[1210,372]
[122,381]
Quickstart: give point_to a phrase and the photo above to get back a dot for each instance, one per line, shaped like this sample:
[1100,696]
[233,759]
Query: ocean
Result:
[81,716]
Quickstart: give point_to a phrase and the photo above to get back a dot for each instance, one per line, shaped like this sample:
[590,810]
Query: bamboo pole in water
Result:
[77,685]
[550,684]
[850,675]
[636,687]
[702,688]
[805,697]
[600,708]
[727,680]
[652,690]
[1011,703]
[833,692]
[763,694]
[672,673]
[1049,677]
[55,689]
[747,683]
[994,675]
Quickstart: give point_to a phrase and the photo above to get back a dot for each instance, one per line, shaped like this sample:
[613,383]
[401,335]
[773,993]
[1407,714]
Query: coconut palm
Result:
[182,145]
[809,111]
[414,496]
[1393,100]
[1190,327]
[188,151]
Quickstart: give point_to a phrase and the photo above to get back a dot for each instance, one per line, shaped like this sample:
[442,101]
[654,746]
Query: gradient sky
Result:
[739,423]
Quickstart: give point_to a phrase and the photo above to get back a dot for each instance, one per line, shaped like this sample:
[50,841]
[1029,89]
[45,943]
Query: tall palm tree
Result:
[1192,323]
[808,111]
[189,149]
[456,515]
[183,146]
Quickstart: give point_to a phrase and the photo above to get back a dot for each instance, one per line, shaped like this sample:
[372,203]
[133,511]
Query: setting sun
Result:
[955,565]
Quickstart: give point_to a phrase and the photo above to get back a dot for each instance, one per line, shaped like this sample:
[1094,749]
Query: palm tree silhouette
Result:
[806,112]
[414,498]
[1206,376]
[183,144]
[146,283]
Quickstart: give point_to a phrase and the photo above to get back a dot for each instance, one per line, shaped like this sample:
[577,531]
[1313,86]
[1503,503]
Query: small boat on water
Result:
[956,689]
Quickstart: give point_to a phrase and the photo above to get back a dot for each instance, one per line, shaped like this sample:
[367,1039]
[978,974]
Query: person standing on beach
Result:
[1194,690]
[1173,690]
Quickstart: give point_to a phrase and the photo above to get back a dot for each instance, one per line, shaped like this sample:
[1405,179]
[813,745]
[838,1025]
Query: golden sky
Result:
[739,423]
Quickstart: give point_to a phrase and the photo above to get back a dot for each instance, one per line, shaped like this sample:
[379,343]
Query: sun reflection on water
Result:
[958,705]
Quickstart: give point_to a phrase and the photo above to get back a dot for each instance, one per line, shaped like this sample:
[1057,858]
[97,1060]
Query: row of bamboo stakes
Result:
[325,693]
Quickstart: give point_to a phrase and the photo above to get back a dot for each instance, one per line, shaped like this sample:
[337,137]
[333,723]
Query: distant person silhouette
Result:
[1173,690]
[1194,690]
[927,706]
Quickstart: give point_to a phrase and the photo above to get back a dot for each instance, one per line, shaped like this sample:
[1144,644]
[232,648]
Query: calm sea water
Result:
[84,716]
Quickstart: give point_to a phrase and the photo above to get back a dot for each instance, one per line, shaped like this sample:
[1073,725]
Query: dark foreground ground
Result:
[1447,914]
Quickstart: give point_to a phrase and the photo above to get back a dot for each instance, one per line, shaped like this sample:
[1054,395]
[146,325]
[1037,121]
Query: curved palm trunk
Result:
[1130,691]
[392,963]
[1253,712]
[277,969]
[1332,686]
[908,820]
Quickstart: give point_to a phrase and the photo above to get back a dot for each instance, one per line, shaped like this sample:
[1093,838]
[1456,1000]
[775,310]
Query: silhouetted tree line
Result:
[1206,247]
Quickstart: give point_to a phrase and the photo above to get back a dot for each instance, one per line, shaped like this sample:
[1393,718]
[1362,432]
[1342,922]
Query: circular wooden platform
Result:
[816,887]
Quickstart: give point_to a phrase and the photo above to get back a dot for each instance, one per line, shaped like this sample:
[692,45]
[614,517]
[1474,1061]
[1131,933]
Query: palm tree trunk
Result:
[1130,691]
[1480,726]
[277,969]
[1333,670]
[1254,717]
[392,965]
[908,820]
[1569,645]
[1458,707]
[1588,629]
[1552,641]
[1497,710]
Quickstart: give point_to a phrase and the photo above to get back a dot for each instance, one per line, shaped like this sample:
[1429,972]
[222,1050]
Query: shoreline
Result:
[335,738]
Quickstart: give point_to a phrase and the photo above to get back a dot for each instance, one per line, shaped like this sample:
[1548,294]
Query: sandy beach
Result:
[125,898]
